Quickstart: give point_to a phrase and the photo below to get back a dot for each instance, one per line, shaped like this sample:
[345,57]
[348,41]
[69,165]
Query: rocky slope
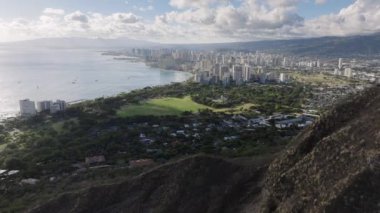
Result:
[195,184]
[333,166]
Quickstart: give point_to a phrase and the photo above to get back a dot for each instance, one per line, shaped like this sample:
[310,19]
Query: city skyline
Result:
[180,21]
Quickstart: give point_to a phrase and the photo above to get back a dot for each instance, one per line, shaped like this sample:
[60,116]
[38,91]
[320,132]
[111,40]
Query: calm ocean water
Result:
[49,74]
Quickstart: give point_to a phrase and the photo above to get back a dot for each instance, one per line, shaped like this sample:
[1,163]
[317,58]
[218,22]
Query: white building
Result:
[54,108]
[340,64]
[43,106]
[283,78]
[62,104]
[27,108]
[348,72]
[247,75]
[57,106]
[197,78]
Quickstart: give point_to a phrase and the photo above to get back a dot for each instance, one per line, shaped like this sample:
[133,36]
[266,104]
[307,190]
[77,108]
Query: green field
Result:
[161,106]
[319,79]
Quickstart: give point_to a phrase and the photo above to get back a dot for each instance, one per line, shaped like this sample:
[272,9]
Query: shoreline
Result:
[8,115]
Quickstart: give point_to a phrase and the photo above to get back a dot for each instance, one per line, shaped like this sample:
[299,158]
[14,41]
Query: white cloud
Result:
[52,11]
[126,18]
[201,21]
[359,18]
[182,4]
[253,19]
[77,16]
[320,1]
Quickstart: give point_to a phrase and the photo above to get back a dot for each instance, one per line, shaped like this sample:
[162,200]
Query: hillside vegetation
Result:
[333,166]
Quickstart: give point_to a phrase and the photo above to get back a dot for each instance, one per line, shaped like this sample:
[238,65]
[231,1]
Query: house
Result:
[143,139]
[239,118]
[141,163]
[258,122]
[95,159]
[13,172]
[231,138]
[180,132]
[29,181]
[288,123]
[277,116]
[300,121]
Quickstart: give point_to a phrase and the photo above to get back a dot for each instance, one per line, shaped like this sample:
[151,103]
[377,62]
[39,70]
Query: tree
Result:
[14,164]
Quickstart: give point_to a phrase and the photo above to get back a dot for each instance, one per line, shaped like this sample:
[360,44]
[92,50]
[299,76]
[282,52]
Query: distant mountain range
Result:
[323,47]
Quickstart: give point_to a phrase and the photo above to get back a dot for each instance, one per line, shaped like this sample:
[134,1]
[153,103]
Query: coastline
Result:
[9,114]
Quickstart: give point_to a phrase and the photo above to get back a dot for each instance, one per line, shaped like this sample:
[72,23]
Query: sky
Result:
[187,21]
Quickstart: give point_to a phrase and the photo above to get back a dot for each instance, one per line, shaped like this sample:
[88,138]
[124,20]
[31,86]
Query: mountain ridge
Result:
[346,46]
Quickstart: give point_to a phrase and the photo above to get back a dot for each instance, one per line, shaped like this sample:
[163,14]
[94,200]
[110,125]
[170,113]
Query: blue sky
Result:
[32,8]
[187,20]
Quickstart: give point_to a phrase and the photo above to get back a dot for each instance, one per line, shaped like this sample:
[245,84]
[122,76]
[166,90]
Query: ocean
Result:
[71,75]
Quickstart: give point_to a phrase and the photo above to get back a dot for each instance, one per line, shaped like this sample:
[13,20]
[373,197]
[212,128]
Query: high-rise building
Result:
[284,62]
[283,77]
[43,106]
[336,71]
[224,70]
[247,74]
[62,104]
[57,106]
[197,78]
[54,108]
[216,69]
[226,79]
[237,74]
[340,64]
[27,108]
[348,72]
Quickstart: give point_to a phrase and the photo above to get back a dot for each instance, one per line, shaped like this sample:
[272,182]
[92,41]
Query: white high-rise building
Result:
[57,106]
[27,108]
[224,70]
[247,74]
[197,78]
[54,108]
[43,105]
[340,64]
[62,104]
[336,71]
[348,72]
[284,62]
[283,77]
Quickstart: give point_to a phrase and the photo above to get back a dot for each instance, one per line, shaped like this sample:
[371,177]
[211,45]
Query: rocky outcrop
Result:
[334,166]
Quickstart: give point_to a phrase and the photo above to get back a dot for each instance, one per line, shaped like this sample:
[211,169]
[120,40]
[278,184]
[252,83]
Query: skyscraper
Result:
[237,74]
[340,65]
[247,74]
[43,105]
[27,108]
